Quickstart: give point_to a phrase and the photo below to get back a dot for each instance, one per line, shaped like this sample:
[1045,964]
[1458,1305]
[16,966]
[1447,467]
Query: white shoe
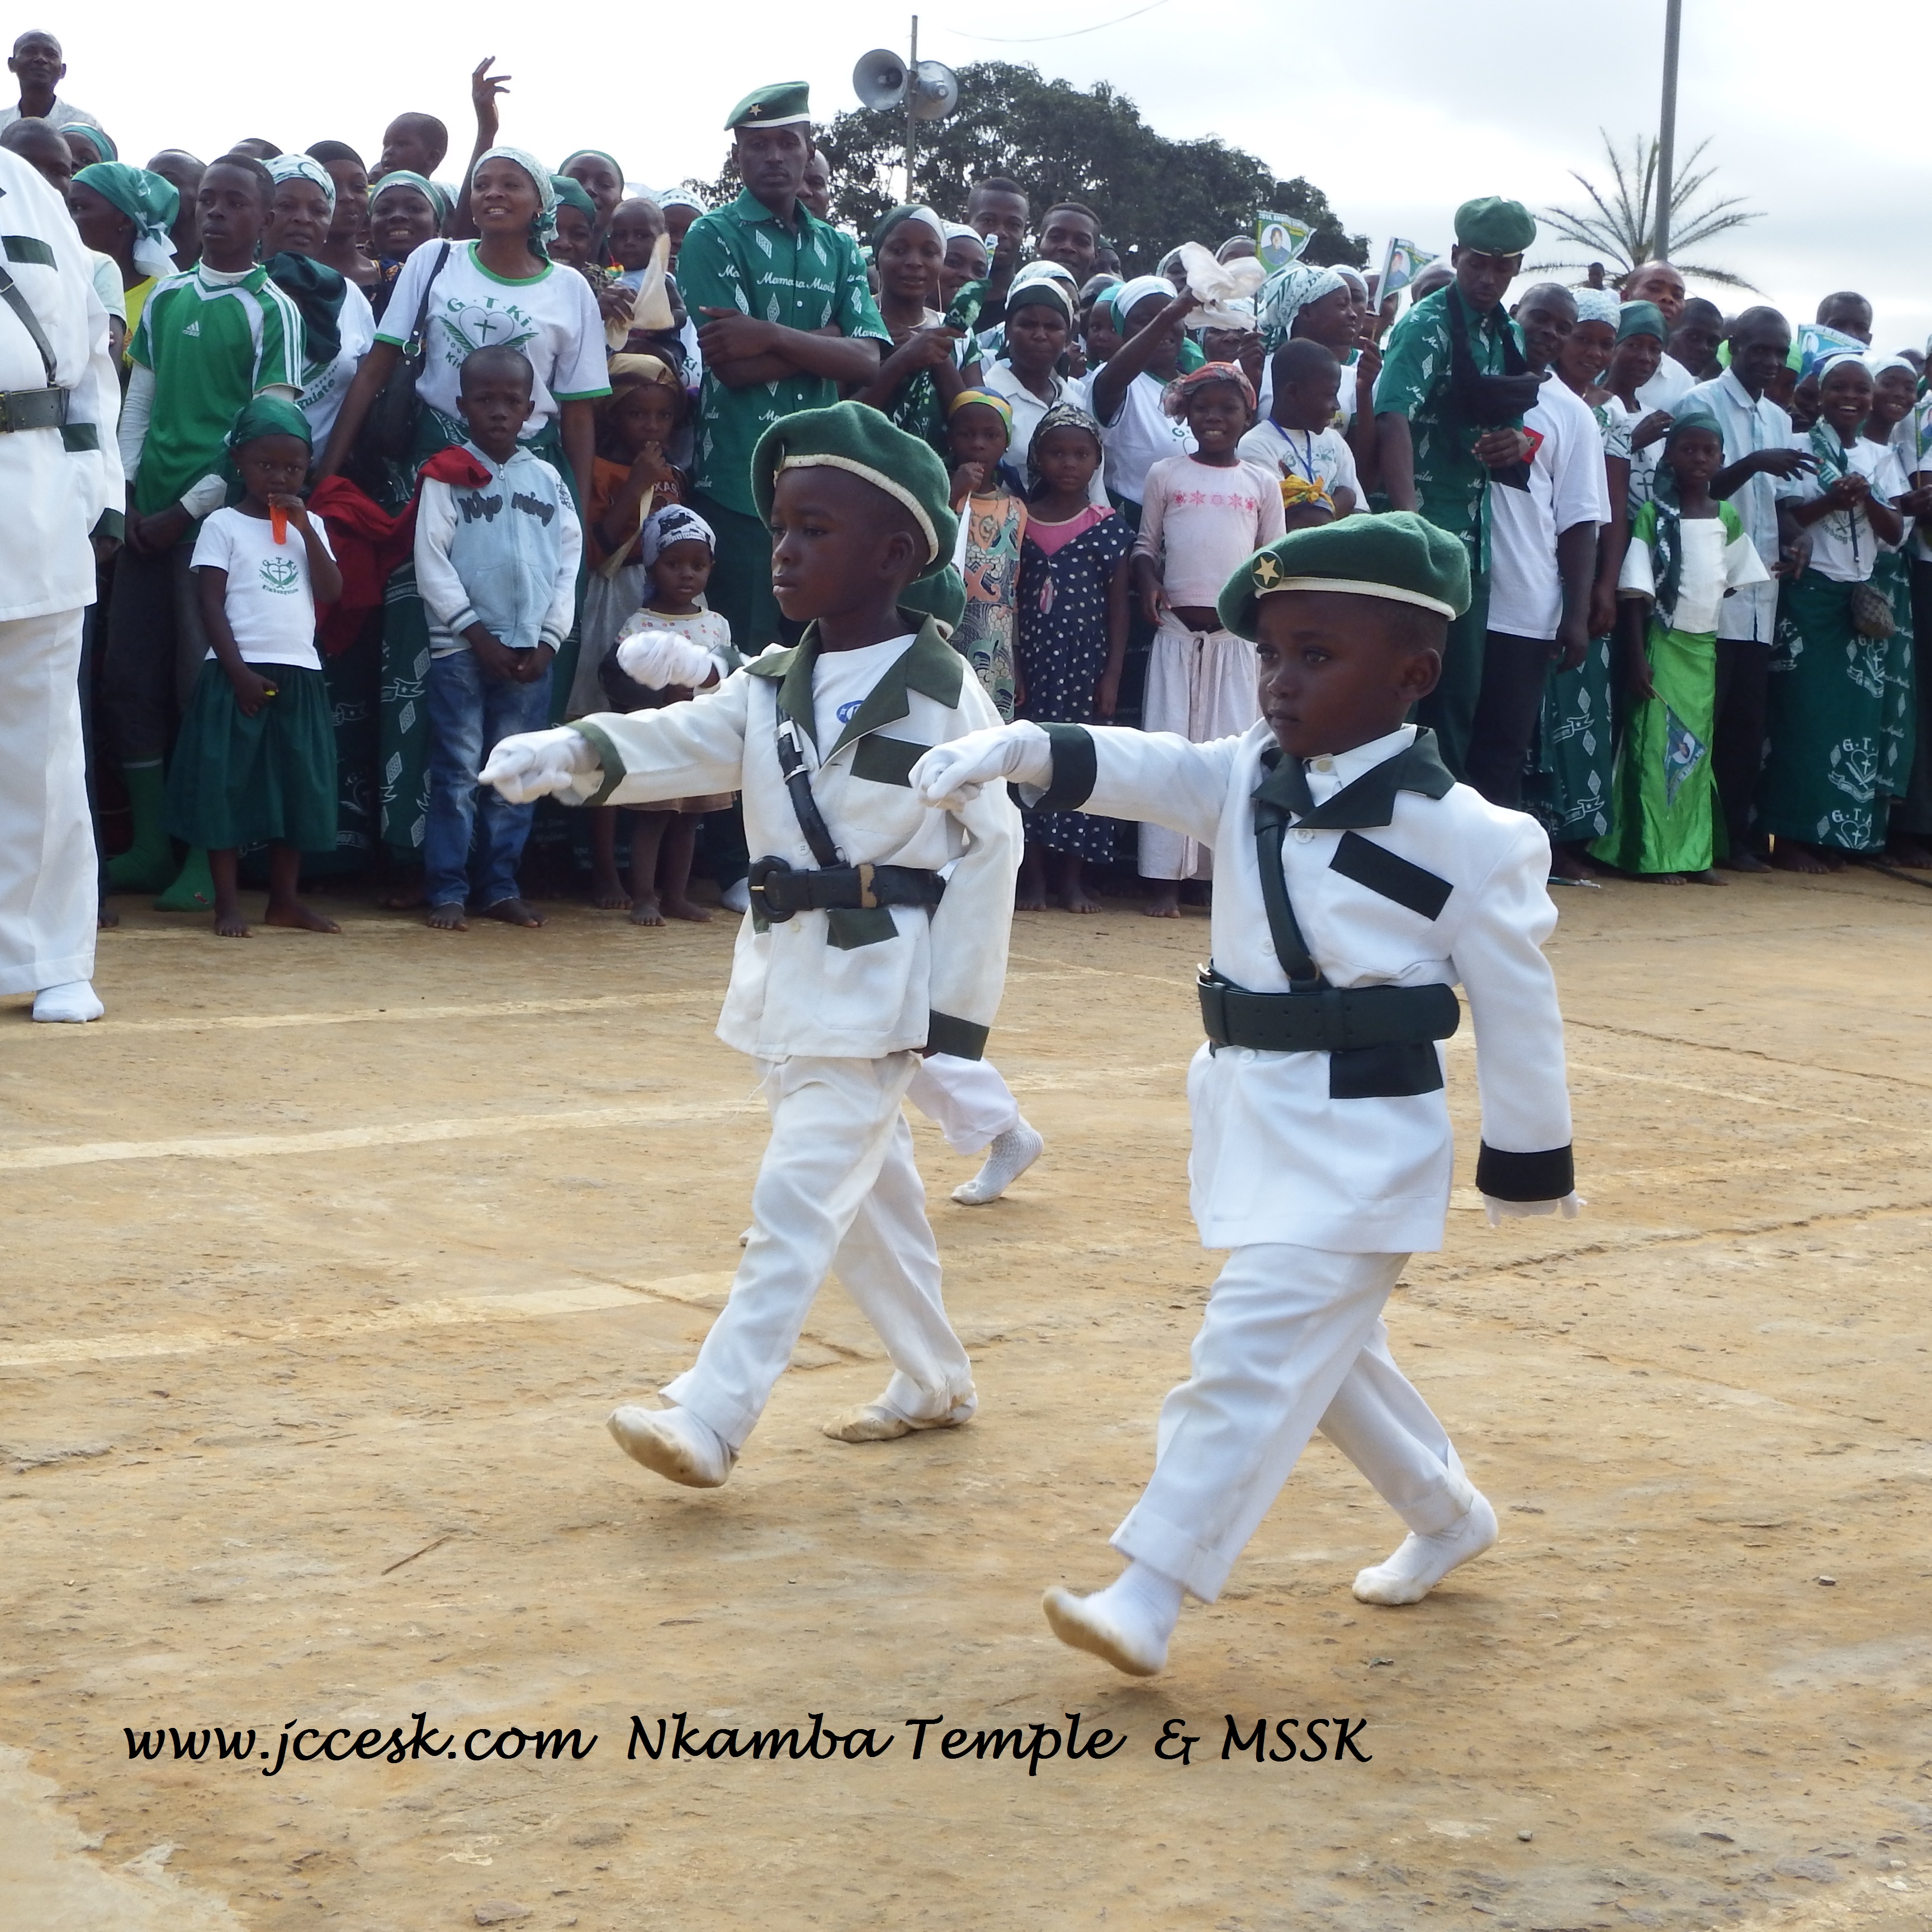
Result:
[1085,1623]
[874,1422]
[673,1443]
[1009,1157]
[1423,1561]
[76,1001]
[736,897]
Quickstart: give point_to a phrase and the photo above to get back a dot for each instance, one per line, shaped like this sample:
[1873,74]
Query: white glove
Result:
[1570,1207]
[533,763]
[656,658]
[951,775]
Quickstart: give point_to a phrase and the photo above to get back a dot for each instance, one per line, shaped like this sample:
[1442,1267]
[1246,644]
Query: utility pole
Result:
[1666,131]
[911,100]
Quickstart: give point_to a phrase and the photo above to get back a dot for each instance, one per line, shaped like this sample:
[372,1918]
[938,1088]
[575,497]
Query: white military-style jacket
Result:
[857,983]
[57,484]
[1397,876]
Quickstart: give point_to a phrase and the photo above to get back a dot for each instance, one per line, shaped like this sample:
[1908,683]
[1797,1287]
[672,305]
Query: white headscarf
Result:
[305,167]
[1285,294]
[1129,296]
[673,524]
[1598,305]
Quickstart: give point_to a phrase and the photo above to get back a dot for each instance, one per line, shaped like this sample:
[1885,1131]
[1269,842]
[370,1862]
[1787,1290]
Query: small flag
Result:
[1403,262]
[1280,239]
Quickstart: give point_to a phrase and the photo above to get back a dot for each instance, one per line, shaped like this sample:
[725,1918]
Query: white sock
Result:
[1128,1624]
[1421,1562]
[1009,1157]
[1144,1600]
[74,1001]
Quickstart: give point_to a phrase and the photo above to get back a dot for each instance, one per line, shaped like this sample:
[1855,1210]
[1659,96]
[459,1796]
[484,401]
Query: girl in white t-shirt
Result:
[255,763]
[1129,389]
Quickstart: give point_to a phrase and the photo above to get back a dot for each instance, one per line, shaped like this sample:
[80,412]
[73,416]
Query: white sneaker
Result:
[1009,1157]
[1423,1561]
[736,897]
[874,1422]
[673,1443]
[1084,1623]
[76,1001]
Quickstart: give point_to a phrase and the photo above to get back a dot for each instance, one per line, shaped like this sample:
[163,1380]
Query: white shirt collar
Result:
[1329,773]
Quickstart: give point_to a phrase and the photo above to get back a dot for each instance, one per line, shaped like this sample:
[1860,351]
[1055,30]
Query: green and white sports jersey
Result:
[215,343]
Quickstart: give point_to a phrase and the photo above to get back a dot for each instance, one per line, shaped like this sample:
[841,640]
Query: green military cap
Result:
[859,440]
[1495,226]
[1398,556]
[783,104]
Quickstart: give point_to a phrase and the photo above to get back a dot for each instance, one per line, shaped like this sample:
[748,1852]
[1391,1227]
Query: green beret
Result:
[1495,226]
[859,440]
[1398,556]
[783,104]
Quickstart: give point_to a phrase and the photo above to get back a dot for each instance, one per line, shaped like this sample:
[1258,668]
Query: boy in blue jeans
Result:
[497,544]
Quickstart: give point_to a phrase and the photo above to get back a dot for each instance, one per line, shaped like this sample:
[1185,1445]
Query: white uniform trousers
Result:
[967,1099]
[837,1191]
[1293,1340]
[48,893]
[1200,685]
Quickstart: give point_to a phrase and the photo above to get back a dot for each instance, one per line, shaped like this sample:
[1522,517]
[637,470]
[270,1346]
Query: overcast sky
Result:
[1398,110]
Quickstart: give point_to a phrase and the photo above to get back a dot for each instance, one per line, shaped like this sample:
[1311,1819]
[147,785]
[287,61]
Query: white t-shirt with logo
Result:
[553,318]
[270,608]
[841,681]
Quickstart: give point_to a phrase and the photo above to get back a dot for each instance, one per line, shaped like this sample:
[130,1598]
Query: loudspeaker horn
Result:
[879,80]
[937,92]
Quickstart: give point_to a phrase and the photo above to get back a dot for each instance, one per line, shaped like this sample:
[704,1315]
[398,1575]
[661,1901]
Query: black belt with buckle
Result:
[32,408]
[1333,1019]
[778,890]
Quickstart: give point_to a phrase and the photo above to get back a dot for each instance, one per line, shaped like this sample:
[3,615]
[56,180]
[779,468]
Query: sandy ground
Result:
[324,1260]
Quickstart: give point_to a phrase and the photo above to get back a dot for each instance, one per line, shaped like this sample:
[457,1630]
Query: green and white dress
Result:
[1663,798]
[1824,780]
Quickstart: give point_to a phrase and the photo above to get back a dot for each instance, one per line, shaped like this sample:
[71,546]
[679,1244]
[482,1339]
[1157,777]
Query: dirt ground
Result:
[326,1259]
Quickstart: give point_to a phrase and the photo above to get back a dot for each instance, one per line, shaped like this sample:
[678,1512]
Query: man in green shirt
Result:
[786,317]
[1442,446]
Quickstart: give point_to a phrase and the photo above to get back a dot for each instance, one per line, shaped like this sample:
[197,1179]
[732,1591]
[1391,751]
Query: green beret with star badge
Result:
[783,104]
[1398,556]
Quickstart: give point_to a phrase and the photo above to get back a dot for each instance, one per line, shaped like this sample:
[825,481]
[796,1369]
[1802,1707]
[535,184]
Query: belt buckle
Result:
[762,869]
[867,898]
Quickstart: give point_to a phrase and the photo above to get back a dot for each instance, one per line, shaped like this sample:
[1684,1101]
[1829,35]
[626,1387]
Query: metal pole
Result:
[912,96]
[1666,133]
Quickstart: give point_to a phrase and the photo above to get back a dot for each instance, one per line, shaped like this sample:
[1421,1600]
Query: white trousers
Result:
[1293,1341]
[967,1099]
[837,1190]
[48,894]
[1200,684]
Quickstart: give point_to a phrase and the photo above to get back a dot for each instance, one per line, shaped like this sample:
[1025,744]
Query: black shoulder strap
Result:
[10,293]
[416,342]
[1290,948]
[798,782]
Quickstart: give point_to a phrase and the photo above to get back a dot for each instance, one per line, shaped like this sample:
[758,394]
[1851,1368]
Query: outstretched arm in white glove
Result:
[658,658]
[952,776]
[533,764]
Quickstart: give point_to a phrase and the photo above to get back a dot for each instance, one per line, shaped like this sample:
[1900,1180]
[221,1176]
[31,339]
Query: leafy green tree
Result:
[1063,143]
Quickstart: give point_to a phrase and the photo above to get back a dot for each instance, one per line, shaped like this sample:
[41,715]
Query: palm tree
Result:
[1619,228]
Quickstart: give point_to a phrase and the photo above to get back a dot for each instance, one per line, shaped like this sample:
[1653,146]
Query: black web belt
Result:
[31,409]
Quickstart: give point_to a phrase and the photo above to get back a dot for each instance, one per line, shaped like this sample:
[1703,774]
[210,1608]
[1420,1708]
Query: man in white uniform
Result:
[1542,557]
[60,481]
[1355,883]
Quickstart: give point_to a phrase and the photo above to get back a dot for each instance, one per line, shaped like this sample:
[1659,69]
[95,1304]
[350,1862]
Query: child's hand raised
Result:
[484,87]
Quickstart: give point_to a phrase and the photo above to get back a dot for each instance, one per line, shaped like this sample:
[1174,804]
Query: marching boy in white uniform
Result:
[856,957]
[1355,883]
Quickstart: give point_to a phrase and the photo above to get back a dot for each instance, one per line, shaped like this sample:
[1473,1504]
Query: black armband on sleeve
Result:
[1076,769]
[1549,1176]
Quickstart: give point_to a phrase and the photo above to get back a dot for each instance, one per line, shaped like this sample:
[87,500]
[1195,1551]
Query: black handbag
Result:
[390,429]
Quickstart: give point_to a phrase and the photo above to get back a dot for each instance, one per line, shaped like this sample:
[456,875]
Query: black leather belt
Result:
[1333,1019]
[778,890]
[32,408]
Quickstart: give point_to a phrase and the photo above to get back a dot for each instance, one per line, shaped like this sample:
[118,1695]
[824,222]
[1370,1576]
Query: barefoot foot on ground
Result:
[514,912]
[1791,856]
[1743,860]
[678,907]
[646,912]
[301,918]
[230,925]
[607,893]
[1163,903]
[448,917]
[1708,877]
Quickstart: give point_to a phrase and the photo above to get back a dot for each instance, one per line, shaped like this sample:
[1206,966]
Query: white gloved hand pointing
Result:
[534,762]
[657,658]
[952,776]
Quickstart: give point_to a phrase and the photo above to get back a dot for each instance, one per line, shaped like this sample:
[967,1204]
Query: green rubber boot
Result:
[148,864]
[193,888]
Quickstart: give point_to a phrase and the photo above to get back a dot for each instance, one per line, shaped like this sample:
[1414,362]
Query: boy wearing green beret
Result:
[1449,410]
[1356,883]
[857,957]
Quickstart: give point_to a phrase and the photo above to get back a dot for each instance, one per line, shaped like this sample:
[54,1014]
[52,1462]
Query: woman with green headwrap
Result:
[126,214]
[500,289]
[925,370]
[405,211]
[1686,549]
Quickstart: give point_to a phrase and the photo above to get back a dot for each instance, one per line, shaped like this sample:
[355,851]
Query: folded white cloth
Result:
[657,658]
[534,762]
[1222,286]
[951,775]
[1570,1207]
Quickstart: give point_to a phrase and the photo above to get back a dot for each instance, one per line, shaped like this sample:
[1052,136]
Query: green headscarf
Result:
[438,200]
[96,137]
[268,415]
[319,292]
[571,193]
[1640,318]
[148,200]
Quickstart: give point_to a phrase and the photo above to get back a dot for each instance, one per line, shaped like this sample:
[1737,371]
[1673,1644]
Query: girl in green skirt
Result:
[1687,551]
[255,763]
